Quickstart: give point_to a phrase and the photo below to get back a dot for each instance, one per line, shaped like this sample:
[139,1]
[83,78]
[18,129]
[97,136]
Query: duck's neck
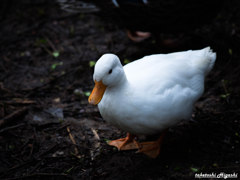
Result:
[122,82]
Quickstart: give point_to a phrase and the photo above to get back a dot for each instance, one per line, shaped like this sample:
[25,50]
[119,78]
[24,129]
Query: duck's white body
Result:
[155,92]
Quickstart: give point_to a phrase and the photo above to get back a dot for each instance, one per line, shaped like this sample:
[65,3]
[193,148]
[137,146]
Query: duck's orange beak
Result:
[97,93]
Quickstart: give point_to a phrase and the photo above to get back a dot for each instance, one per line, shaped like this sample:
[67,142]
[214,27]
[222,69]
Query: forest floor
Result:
[48,129]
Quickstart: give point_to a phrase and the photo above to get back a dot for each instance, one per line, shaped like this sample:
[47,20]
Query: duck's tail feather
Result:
[206,60]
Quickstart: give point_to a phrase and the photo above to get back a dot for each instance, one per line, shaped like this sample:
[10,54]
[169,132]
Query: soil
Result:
[48,129]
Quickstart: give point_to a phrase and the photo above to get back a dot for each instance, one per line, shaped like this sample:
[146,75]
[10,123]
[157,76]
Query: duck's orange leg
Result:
[152,148]
[126,143]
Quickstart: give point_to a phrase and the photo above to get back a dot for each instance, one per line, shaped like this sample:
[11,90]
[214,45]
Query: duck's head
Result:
[108,72]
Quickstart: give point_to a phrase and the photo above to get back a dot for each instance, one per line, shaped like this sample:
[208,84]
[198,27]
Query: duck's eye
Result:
[110,71]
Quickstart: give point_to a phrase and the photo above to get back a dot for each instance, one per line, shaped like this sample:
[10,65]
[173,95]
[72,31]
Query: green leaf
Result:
[53,67]
[126,61]
[194,169]
[87,93]
[11,147]
[55,54]
[224,96]
[107,140]
[68,170]
[61,120]
[92,63]
[177,168]
[40,41]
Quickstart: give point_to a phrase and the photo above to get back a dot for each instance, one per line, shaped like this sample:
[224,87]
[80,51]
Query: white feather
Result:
[154,92]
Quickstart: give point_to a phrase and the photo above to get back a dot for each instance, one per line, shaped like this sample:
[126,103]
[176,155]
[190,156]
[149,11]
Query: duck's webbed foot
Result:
[127,143]
[152,148]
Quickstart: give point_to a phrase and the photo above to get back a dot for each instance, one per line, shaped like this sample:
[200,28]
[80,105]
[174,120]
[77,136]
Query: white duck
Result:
[149,95]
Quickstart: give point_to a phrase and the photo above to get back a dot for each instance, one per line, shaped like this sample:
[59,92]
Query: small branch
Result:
[224,87]
[20,101]
[73,141]
[95,134]
[11,127]
[51,44]
[47,151]
[13,116]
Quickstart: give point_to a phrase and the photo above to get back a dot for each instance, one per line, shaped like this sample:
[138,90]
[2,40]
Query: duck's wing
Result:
[158,72]
[167,86]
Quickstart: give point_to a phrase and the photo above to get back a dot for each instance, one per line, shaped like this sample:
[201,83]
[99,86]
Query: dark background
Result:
[47,128]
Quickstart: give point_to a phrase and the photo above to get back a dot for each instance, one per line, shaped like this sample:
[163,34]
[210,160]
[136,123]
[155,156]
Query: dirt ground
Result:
[48,129]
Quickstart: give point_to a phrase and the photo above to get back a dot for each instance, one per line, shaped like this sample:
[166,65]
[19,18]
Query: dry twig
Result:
[13,116]
[73,141]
